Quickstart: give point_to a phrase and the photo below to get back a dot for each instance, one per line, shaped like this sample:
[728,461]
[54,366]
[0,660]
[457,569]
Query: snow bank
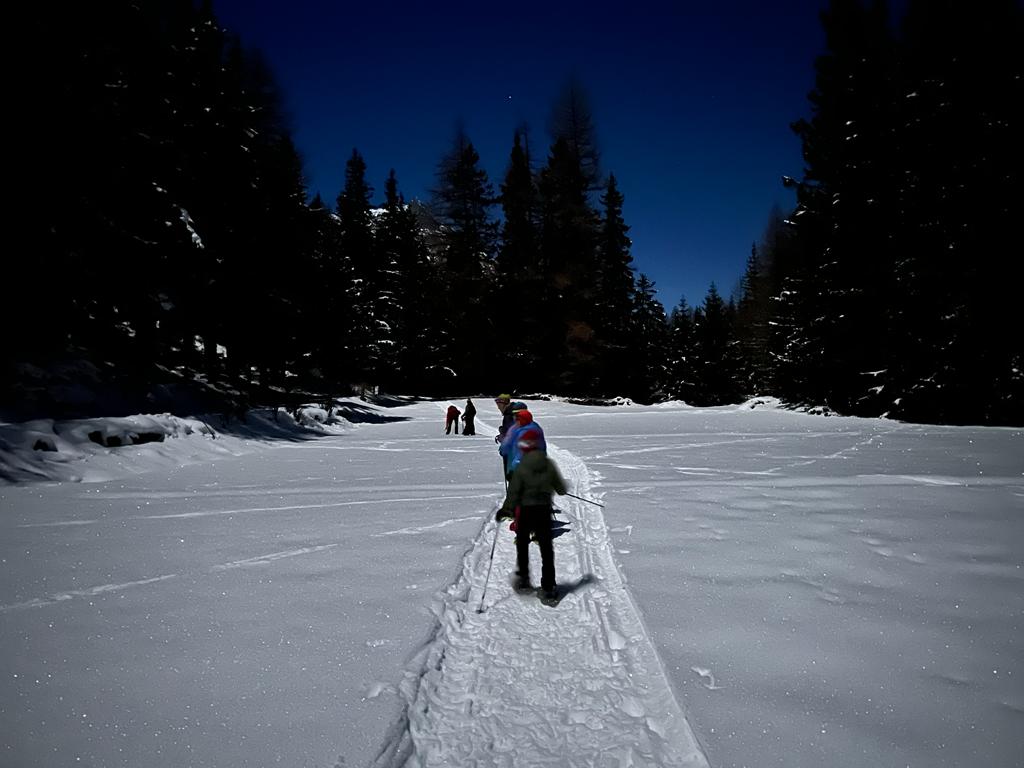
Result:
[100,449]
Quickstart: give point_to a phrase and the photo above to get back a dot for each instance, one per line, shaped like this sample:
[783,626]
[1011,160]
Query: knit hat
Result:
[503,399]
[524,416]
[529,441]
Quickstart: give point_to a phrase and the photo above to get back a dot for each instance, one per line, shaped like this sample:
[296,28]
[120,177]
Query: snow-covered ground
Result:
[761,588]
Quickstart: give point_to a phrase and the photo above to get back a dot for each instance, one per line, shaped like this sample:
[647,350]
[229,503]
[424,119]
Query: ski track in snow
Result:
[251,510]
[264,559]
[423,528]
[62,597]
[524,684]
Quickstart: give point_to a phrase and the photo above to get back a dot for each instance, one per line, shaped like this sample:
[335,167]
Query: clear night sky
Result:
[691,102]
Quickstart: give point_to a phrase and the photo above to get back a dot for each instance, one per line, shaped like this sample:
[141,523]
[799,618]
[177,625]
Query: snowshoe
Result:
[550,597]
[521,585]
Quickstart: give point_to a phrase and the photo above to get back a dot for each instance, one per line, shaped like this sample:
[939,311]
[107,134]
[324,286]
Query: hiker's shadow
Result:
[568,588]
[558,527]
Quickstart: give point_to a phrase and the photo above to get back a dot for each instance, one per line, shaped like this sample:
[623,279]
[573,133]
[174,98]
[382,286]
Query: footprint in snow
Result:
[707,675]
[376,688]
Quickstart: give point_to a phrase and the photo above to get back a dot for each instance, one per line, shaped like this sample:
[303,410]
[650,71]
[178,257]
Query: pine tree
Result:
[897,248]
[176,149]
[962,76]
[615,293]
[848,149]
[520,280]
[267,227]
[412,293]
[572,122]
[680,373]
[383,288]
[569,234]
[356,244]
[650,333]
[462,202]
[758,302]
[334,314]
[714,362]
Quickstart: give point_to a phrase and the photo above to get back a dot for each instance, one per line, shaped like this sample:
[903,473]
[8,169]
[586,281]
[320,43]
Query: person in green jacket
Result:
[530,488]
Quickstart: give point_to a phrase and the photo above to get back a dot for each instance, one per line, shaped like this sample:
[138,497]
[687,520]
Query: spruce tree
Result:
[413,292]
[615,293]
[573,122]
[849,150]
[962,71]
[715,361]
[519,277]
[569,235]
[680,372]
[356,243]
[650,334]
[897,248]
[331,365]
[756,323]
[461,202]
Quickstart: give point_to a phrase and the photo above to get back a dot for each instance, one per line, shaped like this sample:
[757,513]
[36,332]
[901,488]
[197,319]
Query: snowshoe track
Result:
[524,684]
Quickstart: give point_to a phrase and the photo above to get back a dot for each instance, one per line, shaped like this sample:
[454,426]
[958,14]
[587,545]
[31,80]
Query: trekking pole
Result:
[586,500]
[497,527]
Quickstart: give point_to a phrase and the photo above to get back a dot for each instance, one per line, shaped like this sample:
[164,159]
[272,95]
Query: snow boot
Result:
[521,584]
[550,597]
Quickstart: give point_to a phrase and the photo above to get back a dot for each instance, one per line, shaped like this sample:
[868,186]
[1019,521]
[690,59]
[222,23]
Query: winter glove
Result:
[497,439]
[503,514]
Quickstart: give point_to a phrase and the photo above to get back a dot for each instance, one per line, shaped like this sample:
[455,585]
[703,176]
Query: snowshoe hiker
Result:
[451,417]
[531,488]
[508,409]
[468,415]
[509,448]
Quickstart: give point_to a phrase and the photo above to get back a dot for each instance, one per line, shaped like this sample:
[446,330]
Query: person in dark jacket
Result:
[508,410]
[451,417]
[467,416]
[531,488]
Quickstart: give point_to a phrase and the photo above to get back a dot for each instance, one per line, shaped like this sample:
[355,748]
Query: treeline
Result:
[169,236]
[892,290]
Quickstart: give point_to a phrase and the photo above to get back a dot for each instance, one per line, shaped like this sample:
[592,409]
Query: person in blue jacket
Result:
[509,448]
[508,409]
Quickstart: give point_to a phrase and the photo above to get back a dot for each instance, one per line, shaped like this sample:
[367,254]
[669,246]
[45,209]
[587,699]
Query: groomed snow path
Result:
[525,684]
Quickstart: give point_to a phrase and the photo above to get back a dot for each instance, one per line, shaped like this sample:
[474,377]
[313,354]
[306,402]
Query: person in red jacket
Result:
[451,417]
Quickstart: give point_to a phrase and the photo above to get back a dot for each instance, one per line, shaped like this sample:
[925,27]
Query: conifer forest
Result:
[167,245]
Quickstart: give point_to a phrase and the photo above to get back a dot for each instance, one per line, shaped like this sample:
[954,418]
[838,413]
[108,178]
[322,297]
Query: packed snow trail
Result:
[524,684]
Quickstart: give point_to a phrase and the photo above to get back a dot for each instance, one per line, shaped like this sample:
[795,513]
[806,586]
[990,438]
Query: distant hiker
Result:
[530,489]
[467,416]
[451,417]
[509,448]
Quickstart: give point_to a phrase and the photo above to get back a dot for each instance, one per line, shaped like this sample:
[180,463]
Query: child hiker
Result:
[530,488]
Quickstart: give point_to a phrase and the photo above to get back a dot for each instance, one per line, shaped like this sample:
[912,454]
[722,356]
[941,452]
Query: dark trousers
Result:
[538,521]
[469,429]
[448,425]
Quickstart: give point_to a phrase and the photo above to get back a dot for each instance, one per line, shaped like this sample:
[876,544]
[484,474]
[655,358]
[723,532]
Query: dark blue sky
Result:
[691,102]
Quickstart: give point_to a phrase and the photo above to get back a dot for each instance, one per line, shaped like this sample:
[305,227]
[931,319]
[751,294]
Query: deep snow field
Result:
[760,588]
